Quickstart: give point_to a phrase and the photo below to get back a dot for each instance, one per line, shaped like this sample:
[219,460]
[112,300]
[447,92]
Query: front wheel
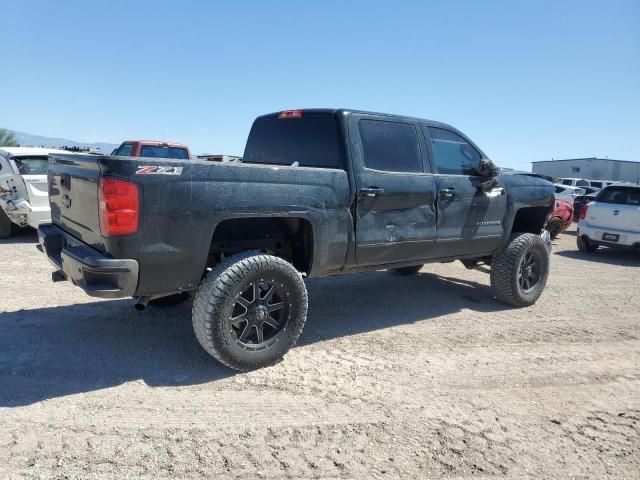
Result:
[554,227]
[250,310]
[520,270]
[5,225]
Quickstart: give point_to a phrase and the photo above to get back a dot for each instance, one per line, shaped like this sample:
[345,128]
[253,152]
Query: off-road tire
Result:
[217,296]
[585,245]
[406,271]
[506,266]
[554,227]
[6,226]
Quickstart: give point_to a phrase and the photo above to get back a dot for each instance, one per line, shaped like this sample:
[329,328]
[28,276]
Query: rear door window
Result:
[32,165]
[620,195]
[567,182]
[453,154]
[390,146]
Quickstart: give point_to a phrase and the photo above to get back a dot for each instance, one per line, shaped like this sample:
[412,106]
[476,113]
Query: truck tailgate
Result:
[73,195]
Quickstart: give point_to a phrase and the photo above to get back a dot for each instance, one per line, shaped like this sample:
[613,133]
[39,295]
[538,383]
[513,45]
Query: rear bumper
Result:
[94,272]
[594,234]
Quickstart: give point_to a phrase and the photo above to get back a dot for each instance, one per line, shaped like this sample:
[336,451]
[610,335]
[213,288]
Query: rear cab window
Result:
[620,195]
[390,146]
[312,141]
[164,151]
[35,165]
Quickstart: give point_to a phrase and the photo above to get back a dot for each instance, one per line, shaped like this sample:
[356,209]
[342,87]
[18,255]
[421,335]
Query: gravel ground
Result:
[394,377]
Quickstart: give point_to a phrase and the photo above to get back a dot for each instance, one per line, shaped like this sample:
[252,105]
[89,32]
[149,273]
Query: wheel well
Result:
[530,219]
[289,238]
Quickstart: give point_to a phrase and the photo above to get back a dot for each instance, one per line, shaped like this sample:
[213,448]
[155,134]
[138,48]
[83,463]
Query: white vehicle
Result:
[24,198]
[573,182]
[566,193]
[612,219]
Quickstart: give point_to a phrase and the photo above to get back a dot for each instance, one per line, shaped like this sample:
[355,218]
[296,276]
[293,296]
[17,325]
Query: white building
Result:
[590,169]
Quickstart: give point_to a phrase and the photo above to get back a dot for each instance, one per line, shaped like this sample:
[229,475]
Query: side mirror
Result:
[487,168]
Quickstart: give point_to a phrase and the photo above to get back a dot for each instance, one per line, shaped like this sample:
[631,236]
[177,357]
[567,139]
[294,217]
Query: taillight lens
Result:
[118,207]
[583,212]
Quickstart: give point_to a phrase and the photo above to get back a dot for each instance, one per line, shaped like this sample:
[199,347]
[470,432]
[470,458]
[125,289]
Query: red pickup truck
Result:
[152,148]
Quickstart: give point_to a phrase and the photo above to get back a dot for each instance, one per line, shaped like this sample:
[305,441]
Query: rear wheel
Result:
[408,270]
[5,225]
[586,245]
[250,310]
[554,227]
[519,272]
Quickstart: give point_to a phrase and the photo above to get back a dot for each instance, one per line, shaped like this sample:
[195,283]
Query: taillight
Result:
[118,207]
[290,114]
[583,212]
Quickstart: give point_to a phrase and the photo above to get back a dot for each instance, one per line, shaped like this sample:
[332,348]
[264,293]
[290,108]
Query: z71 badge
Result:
[157,170]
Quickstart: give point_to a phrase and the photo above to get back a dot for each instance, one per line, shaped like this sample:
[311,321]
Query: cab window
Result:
[453,154]
[124,150]
[390,146]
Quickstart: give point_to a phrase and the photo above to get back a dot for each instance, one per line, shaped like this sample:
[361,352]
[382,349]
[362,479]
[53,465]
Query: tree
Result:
[7,138]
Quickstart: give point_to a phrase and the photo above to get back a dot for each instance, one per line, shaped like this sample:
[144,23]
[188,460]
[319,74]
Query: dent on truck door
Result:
[470,218]
[395,208]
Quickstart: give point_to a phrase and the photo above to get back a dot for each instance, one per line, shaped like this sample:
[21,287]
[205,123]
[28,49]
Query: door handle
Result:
[448,192]
[371,192]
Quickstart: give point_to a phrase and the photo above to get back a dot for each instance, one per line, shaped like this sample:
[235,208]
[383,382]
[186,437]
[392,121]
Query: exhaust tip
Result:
[141,303]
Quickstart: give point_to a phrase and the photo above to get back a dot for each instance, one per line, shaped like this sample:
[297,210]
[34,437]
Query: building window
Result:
[575,169]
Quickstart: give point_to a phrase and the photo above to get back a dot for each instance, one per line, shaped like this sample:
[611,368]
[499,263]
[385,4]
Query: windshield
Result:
[32,165]
[620,195]
[160,151]
[310,141]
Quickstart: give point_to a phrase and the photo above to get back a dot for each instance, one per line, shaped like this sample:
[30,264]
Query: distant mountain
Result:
[28,140]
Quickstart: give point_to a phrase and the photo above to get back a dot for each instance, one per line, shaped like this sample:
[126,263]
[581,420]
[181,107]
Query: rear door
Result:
[395,205]
[470,220]
[33,170]
[616,208]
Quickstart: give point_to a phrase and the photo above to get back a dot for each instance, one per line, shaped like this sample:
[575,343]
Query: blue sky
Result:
[525,80]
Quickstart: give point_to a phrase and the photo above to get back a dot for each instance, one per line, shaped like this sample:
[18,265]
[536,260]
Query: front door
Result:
[470,218]
[395,206]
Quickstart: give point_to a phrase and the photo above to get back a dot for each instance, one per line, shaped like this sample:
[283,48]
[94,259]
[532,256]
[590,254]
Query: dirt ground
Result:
[394,377]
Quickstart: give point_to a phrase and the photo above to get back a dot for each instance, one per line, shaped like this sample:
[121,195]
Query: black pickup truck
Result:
[318,192]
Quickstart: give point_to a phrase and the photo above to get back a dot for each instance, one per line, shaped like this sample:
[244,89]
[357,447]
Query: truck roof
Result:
[13,151]
[321,112]
[157,142]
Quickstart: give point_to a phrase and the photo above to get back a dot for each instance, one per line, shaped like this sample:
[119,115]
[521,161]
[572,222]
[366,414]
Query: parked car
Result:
[574,182]
[319,192]
[24,198]
[612,219]
[580,201]
[600,184]
[566,193]
[152,149]
[560,219]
